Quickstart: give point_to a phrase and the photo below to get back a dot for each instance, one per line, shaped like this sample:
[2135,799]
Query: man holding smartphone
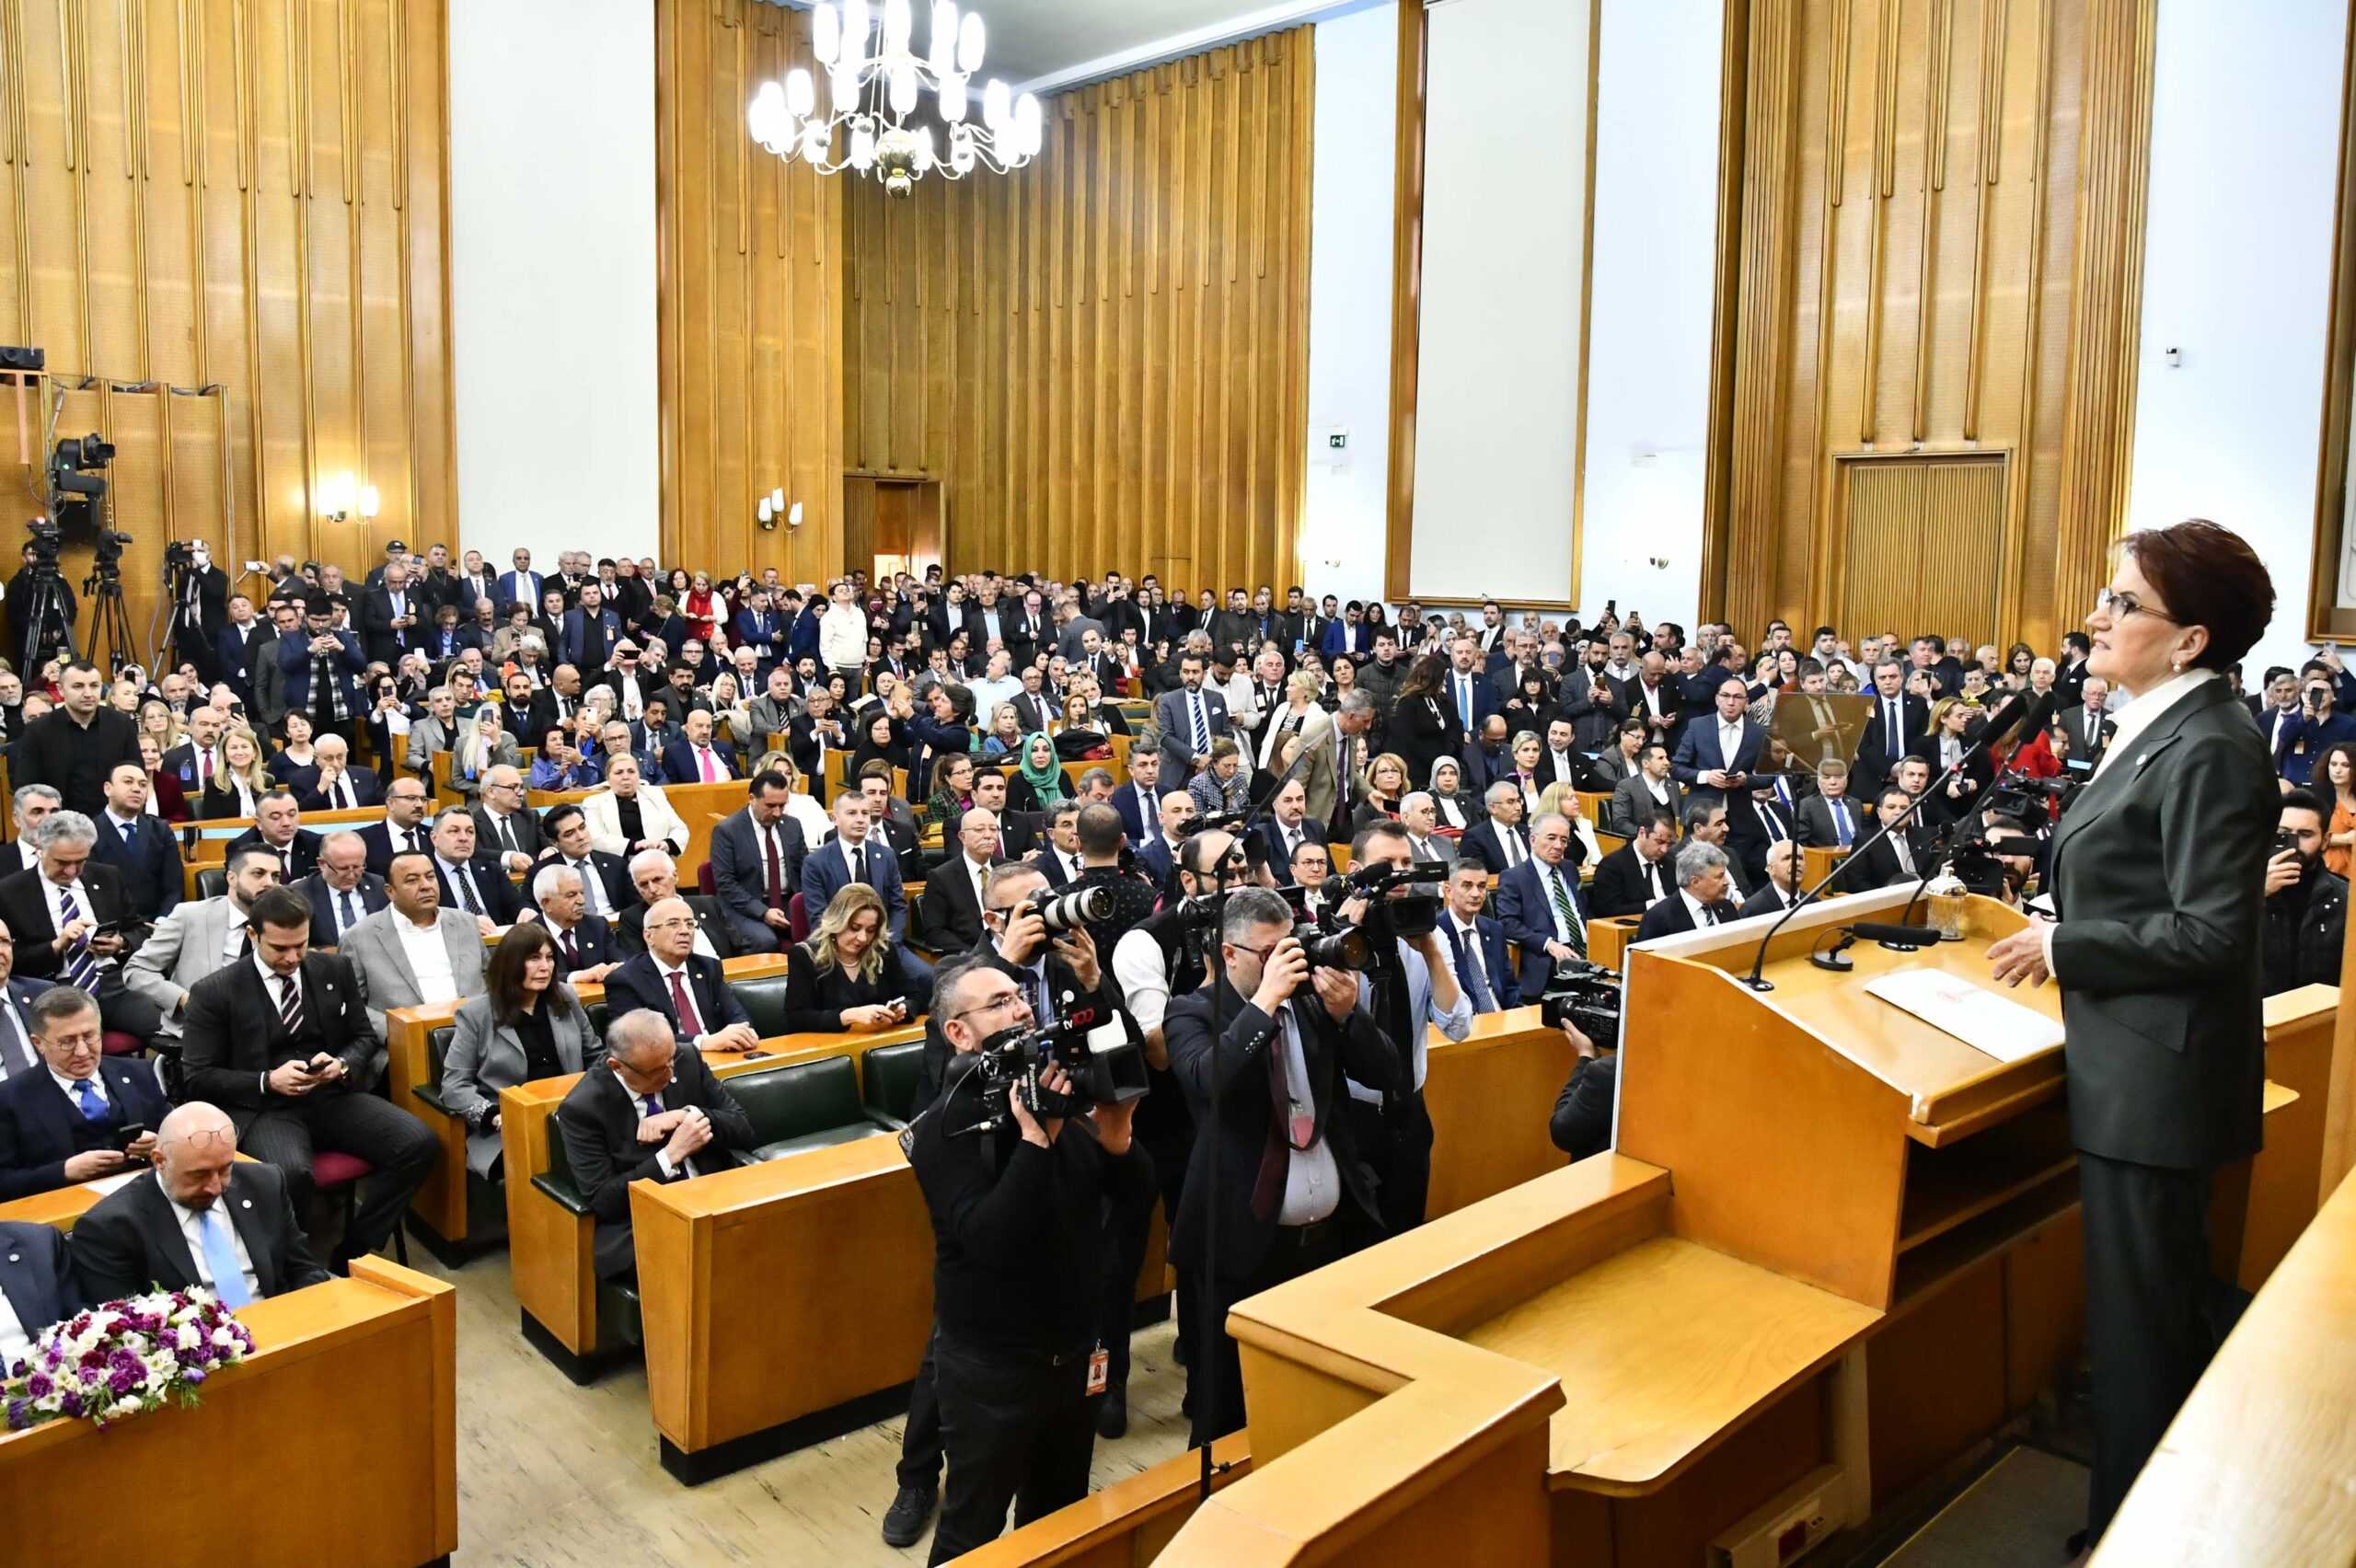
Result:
[88,1116]
[282,1042]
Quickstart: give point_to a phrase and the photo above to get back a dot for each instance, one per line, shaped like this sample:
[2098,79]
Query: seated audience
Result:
[87,1115]
[505,828]
[283,1043]
[278,827]
[1782,888]
[655,876]
[1635,877]
[845,976]
[472,881]
[68,916]
[629,816]
[587,946]
[414,951]
[236,791]
[343,891]
[341,784]
[528,1024]
[686,987]
[1702,882]
[1476,943]
[200,936]
[648,1111]
[135,842]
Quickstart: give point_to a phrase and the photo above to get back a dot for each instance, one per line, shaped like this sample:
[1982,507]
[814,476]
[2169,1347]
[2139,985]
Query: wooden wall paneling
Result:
[1906,278]
[1406,290]
[2326,619]
[211,216]
[1103,356]
[1726,310]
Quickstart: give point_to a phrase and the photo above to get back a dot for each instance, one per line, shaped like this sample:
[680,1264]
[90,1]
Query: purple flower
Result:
[124,1380]
[38,1386]
[195,1376]
[70,1404]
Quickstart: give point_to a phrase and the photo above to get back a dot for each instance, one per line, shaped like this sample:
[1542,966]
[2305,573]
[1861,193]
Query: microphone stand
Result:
[2001,724]
[1215,968]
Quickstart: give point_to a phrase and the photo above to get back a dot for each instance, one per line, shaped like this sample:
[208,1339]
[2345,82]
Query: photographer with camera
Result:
[2318,726]
[1407,980]
[2305,915]
[1019,1254]
[1292,1192]
[1581,1124]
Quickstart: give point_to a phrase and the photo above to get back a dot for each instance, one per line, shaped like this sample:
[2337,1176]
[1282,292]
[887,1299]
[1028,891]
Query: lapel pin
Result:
[245,1202]
[12,1257]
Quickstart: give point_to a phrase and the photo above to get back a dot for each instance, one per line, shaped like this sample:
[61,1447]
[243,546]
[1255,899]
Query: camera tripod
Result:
[47,627]
[110,623]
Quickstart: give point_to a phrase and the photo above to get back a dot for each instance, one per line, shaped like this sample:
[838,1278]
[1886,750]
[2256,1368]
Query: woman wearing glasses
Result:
[2156,875]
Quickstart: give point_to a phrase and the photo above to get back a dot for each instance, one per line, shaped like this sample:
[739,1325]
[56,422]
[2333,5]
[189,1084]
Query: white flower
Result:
[225,1337]
[188,1337]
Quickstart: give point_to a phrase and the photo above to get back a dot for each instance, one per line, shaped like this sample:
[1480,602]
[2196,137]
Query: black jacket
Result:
[132,1238]
[1252,1130]
[2304,928]
[24,909]
[600,1116]
[233,1034]
[1581,1124]
[638,984]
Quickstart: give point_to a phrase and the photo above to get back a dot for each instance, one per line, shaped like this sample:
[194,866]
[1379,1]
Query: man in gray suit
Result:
[771,712]
[1649,789]
[1190,719]
[199,936]
[2086,725]
[757,864]
[431,733]
[416,951]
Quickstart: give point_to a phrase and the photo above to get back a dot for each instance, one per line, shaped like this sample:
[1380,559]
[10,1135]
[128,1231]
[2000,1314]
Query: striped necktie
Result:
[81,968]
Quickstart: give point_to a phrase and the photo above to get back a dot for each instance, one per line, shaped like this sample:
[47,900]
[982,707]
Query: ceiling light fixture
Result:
[875,83]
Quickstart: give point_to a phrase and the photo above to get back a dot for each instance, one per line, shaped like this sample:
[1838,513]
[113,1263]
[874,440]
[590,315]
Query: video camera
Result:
[1413,914]
[1102,1055]
[1326,946]
[1587,996]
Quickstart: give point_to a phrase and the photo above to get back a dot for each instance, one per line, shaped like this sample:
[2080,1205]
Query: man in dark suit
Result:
[650,1112]
[282,1042]
[1291,1035]
[89,1115]
[1466,693]
[1059,857]
[848,857]
[2090,728]
[17,993]
[1636,876]
[591,631]
[1476,943]
[949,916]
[56,912]
[36,1283]
[1756,823]
[889,819]
[389,616]
[757,857]
[1499,842]
[1828,819]
[1650,693]
[139,845]
[695,757]
[1190,719]
[278,828]
[200,1218]
[522,586]
[343,891]
[1703,884]
[201,610]
[472,881]
[403,828]
[1288,825]
[1782,887]
[711,1017]
[587,946]
[1539,904]
[321,667]
[343,785]
[73,747]
[1901,858]
[1897,721]
[1717,753]
[606,886]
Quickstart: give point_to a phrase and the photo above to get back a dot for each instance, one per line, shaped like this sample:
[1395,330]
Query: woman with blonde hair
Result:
[1005,733]
[481,745]
[799,805]
[1562,797]
[1382,788]
[847,975]
[239,780]
[630,815]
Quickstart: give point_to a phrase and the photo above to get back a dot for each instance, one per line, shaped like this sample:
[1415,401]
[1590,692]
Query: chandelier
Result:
[872,96]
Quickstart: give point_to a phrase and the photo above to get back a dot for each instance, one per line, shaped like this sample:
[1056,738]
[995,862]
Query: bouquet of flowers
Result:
[124,1358]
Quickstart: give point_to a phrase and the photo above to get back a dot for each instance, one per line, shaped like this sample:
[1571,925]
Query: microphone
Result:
[1893,936]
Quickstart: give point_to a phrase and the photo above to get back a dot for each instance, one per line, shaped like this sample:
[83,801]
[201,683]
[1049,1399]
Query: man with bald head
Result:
[200,1217]
[672,979]
[650,1112]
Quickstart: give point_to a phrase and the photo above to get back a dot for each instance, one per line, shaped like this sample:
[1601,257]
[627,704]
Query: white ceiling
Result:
[1047,44]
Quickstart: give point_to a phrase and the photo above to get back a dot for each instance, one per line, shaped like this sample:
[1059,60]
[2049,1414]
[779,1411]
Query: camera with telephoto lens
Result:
[1586,996]
[1415,912]
[1100,1054]
[1072,907]
[1326,945]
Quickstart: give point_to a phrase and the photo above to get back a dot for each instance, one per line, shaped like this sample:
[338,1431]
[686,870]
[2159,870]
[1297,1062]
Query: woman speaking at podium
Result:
[2157,872]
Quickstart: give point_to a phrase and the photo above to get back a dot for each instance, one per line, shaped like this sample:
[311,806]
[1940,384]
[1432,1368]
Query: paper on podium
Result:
[106,1184]
[1973,1014]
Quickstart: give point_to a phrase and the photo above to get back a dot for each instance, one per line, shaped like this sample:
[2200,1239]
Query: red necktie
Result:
[777,870]
[691,1021]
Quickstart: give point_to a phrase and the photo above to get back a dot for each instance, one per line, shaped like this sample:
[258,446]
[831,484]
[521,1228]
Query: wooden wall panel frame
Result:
[2328,620]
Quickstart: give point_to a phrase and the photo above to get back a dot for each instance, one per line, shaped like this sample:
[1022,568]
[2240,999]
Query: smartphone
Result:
[131,1135]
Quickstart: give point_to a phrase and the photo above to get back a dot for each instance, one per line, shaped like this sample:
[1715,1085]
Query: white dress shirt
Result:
[429,959]
[193,1230]
[1313,1180]
[69,1087]
[56,896]
[1422,1006]
[15,1336]
[1697,911]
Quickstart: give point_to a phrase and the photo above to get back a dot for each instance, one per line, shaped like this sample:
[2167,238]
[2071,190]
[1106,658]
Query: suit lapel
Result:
[165,1236]
[239,1197]
[2107,792]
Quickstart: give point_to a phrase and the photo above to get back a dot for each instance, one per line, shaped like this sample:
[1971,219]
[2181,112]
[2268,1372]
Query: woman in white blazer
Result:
[609,812]
[526,1024]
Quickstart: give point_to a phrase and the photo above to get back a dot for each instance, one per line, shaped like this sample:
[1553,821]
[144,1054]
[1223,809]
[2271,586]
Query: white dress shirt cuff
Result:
[2045,943]
[662,1163]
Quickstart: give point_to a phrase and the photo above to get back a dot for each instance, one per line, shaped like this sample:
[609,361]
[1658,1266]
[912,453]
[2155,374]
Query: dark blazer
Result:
[1504,986]
[740,865]
[710,919]
[526,825]
[37,1274]
[1620,887]
[600,1119]
[826,869]
[1977,774]
[132,1238]
[232,1029]
[367,789]
[679,761]
[1526,914]
[1172,712]
[1135,819]
[1312,830]
[638,984]
[949,915]
[589,640]
[40,756]
[1878,749]
[370,893]
[385,642]
[1670,916]
[815,1002]
[24,909]
[379,840]
[38,1120]
[304,847]
[1876,866]
[294,664]
[1816,827]
[150,866]
[501,900]
[612,871]
[1483,841]
[1699,751]
[1769,900]
[2157,872]
[595,939]
[1251,1132]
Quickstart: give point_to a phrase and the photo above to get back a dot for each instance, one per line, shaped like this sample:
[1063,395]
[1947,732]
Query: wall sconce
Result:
[341,496]
[773,510]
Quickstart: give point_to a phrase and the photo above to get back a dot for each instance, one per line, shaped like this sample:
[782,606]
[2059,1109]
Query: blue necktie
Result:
[1840,822]
[1202,728]
[220,1261]
[654,1104]
[93,1108]
[1474,980]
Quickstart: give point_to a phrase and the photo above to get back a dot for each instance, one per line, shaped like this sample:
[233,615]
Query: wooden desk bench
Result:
[360,1371]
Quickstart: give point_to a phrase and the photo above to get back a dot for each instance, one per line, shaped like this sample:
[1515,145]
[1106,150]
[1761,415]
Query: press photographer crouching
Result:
[1292,1194]
[1017,1194]
[2305,916]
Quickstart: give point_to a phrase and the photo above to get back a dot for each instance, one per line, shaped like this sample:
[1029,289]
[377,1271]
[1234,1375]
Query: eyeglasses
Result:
[996,1004]
[2118,607]
[206,1137]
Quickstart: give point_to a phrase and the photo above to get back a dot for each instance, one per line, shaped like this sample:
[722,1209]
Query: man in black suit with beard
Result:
[281,1042]
[1902,857]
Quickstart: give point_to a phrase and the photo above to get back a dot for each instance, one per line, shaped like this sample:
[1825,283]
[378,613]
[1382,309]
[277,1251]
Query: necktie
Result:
[1767,819]
[16,1057]
[130,833]
[777,870]
[1563,910]
[93,1108]
[710,773]
[1840,823]
[691,1020]
[1709,915]
[290,1003]
[351,910]
[858,864]
[1149,815]
[1904,852]
[572,952]
[592,887]
[203,767]
[465,889]
[1894,735]
[506,830]
[220,1261]
[1464,699]
[1202,727]
[1468,964]
[80,967]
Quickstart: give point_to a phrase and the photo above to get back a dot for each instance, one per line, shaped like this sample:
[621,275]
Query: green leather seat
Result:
[618,1319]
[437,1050]
[888,1075]
[764,1002]
[211,882]
[805,1105]
[596,1011]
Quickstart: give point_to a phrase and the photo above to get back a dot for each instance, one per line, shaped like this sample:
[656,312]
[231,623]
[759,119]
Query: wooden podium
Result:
[1834,1250]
